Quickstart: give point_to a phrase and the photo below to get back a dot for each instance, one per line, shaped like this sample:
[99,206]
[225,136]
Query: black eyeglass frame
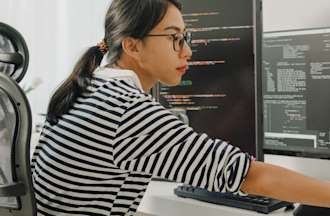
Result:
[187,38]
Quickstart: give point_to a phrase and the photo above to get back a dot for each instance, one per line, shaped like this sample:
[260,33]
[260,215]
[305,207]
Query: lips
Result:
[182,69]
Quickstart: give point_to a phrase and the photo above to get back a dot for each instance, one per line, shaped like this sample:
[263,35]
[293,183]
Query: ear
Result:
[132,47]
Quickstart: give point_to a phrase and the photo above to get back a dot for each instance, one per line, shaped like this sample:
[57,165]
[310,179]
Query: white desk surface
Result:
[160,200]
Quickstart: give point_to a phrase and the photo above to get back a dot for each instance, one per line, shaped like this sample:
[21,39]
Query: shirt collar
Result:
[115,73]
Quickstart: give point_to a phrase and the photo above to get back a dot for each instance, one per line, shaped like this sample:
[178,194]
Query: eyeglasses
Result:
[178,39]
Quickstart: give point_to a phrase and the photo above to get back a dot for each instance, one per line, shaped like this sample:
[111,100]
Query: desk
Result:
[160,200]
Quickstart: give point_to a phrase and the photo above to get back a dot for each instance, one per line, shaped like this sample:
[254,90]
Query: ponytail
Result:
[122,20]
[76,84]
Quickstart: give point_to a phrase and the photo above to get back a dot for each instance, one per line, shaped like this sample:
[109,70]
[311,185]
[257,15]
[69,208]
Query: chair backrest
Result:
[14,54]
[16,190]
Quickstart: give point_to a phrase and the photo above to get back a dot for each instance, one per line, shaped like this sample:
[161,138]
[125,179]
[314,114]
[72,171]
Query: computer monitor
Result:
[296,86]
[218,93]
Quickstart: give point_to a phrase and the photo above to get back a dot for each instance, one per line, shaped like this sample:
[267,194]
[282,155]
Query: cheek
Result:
[158,60]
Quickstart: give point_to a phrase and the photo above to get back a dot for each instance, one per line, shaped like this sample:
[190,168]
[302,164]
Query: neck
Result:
[146,81]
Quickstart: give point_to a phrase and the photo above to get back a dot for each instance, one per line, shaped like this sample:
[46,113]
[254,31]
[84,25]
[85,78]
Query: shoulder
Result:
[124,92]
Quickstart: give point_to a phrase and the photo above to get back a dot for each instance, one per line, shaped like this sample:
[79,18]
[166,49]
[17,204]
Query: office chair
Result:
[16,190]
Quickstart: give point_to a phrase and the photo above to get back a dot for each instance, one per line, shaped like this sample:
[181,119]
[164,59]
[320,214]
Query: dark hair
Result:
[125,18]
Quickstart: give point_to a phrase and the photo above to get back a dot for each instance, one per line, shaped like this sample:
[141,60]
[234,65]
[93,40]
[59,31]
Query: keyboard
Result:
[256,203]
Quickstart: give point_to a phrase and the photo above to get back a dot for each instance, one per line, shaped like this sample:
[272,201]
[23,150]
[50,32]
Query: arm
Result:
[277,182]
[153,141]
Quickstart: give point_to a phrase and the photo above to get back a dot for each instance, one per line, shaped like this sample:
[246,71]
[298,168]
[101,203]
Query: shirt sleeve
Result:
[150,139]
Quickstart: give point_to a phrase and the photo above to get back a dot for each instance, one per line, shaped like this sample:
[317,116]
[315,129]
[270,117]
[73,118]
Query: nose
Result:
[186,52]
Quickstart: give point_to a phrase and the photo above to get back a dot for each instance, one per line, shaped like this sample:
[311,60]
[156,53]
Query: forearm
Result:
[277,182]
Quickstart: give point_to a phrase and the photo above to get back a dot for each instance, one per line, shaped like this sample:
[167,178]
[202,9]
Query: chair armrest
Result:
[12,190]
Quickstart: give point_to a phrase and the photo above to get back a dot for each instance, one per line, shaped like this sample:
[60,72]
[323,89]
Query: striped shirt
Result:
[100,156]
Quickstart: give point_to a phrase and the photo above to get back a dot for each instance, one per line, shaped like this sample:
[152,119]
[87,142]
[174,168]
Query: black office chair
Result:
[16,191]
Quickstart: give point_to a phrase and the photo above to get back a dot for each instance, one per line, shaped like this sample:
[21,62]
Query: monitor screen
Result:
[296,86]
[218,91]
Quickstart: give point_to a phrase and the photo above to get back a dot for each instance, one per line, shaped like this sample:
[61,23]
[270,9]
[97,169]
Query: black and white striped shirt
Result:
[99,158]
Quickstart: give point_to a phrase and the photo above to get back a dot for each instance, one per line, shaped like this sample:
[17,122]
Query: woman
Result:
[105,137]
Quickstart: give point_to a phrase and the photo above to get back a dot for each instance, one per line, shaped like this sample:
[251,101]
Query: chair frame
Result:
[22,186]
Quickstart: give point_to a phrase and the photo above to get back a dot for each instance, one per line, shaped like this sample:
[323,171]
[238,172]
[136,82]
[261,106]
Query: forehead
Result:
[171,21]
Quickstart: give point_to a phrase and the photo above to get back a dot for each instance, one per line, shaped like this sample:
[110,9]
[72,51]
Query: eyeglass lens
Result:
[180,39]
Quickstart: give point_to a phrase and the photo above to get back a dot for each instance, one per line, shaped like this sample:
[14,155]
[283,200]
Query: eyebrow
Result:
[175,28]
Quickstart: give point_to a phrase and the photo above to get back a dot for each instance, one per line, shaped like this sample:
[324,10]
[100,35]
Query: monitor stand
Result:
[306,210]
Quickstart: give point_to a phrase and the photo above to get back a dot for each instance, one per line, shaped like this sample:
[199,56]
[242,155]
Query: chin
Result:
[172,81]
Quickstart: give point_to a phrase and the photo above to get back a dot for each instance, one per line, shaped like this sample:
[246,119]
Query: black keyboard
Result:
[256,203]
